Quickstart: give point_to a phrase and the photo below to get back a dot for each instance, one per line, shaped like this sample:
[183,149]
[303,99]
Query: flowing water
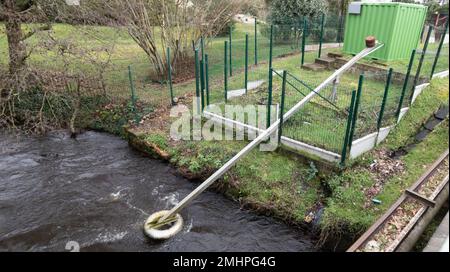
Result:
[96,192]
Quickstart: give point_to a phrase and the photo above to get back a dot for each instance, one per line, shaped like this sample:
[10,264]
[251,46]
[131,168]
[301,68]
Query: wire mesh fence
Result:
[241,59]
[236,68]
[342,112]
[440,49]
[322,121]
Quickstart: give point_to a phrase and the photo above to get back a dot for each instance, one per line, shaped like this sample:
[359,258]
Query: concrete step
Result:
[251,85]
[235,93]
[432,123]
[314,67]
[442,113]
[335,55]
[328,62]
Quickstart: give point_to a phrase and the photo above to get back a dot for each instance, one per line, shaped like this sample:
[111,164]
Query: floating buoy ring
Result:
[157,231]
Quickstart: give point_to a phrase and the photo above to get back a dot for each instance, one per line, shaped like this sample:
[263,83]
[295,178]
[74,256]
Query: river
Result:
[96,192]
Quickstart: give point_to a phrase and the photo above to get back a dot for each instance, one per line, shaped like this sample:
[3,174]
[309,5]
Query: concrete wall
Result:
[418,90]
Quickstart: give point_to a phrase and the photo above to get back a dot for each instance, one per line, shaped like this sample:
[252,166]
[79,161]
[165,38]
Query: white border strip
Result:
[363,145]
[441,74]
[321,153]
[383,134]
[418,90]
[402,114]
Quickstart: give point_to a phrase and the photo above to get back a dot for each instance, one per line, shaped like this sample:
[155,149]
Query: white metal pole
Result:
[273,128]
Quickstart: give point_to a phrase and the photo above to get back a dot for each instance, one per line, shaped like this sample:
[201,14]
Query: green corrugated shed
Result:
[397,25]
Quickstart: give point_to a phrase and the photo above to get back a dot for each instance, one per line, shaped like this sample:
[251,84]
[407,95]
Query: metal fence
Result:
[350,109]
[240,60]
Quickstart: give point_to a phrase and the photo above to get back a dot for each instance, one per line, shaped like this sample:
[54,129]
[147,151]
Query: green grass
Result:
[345,209]
[319,123]
[127,52]
[430,100]
[276,183]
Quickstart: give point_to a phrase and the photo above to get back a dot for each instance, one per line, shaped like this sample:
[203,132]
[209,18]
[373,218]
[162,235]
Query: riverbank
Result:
[94,193]
[301,191]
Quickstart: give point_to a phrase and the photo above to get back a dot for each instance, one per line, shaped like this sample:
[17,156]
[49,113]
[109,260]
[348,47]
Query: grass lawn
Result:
[126,52]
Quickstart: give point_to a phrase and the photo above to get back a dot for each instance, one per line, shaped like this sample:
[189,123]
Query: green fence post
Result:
[348,130]
[405,84]
[269,102]
[438,54]
[271,49]
[197,76]
[202,83]
[207,78]
[305,27]
[169,79]
[256,41]
[202,44]
[283,94]
[269,98]
[197,80]
[385,96]
[202,64]
[246,63]
[355,113]
[226,72]
[202,76]
[133,95]
[321,35]
[339,31]
[422,58]
[231,54]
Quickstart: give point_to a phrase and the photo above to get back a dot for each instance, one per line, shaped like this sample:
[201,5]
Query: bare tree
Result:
[25,85]
[158,24]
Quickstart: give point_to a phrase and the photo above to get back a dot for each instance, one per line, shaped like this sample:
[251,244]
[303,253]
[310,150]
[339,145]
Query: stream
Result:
[96,192]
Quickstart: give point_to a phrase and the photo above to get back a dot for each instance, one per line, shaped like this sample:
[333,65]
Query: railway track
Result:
[401,226]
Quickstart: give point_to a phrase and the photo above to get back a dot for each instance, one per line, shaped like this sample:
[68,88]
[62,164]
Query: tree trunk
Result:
[16,47]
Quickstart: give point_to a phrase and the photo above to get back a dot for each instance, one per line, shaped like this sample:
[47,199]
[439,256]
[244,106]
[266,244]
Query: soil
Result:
[383,168]
[386,239]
